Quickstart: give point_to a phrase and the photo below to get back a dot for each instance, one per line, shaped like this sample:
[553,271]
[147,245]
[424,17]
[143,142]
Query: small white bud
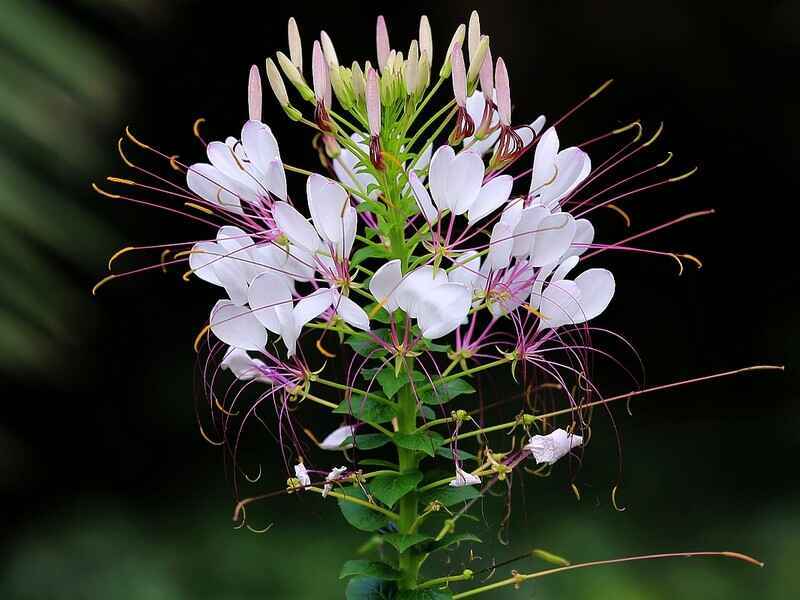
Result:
[295,45]
[254,94]
[276,83]
[425,37]
[328,50]
[473,34]
[458,40]
[549,448]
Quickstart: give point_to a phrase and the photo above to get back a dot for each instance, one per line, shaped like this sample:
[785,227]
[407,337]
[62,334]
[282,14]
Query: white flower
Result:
[463,478]
[236,326]
[249,170]
[335,439]
[426,294]
[334,475]
[556,174]
[349,170]
[476,104]
[549,448]
[302,474]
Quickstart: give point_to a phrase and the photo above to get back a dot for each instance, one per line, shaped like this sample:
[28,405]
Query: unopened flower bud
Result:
[458,40]
[425,37]
[254,94]
[473,34]
[276,83]
[319,73]
[487,76]
[459,76]
[503,90]
[341,88]
[373,103]
[328,49]
[359,82]
[382,42]
[424,73]
[295,46]
[412,68]
[476,63]
[295,77]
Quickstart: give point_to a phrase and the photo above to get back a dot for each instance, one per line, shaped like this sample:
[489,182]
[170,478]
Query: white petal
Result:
[527,229]
[544,160]
[259,144]
[549,448]
[243,366]
[333,441]
[597,289]
[384,284]
[212,186]
[202,254]
[423,198]
[416,284]
[584,235]
[327,201]
[442,309]
[501,243]
[295,226]
[301,473]
[565,267]
[491,197]
[237,327]
[266,293]
[276,179]
[560,301]
[351,312]
[464,181]
[573,165]
[438,175]
[552,240]
[311,307]
[463,478]
[466,270]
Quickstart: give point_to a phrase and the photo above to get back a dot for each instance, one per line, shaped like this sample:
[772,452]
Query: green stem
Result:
[464,373]
[465,576]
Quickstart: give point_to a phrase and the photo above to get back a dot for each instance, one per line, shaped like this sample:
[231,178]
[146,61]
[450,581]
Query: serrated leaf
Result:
[370,588]
[449,496]
[367,441]
[428,594]
[421,441]
[369,568]
[447,452]
[389,489]
[445,392]
[452,539]
[403,541]
[358,516]
[367,409]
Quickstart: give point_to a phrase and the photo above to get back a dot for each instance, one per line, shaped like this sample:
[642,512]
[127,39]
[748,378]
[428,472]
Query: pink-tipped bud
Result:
[425,38]
[503,89]
[374,102]
[295,46]
[319,73]
[411,71]
[473,34]
[487,76]
[254,94]
[459,76]
[382,42]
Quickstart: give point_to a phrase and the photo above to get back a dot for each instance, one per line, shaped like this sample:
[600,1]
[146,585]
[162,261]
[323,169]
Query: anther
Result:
[684,176]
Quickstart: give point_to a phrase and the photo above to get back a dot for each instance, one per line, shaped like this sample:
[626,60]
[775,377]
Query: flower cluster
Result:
[422,246]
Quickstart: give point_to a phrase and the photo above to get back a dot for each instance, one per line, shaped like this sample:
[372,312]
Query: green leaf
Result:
[391,384]
[360,517]
[370,588]
[421,441]
[447,452]
[452,539]
[389,489]
[404,541]
[363,346]
[444,392]
[367,252]
[368,568]
[377,462]
[549,557]
[427,412]
[429,594]
[367,441]
[449,496]
[367,409]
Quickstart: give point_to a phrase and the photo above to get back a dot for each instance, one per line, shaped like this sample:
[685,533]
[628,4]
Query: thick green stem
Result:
[409,461]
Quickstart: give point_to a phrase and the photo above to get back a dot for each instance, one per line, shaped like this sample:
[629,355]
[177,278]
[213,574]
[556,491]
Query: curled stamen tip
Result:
[132,138]
[694,259]
[203,209]
[104,280]
[614,500]
[196,128]
[655,135]
[601,88]
[744,557]
[323,351]
[200,336]
[620,212]
[119,253]
[636,123]
[684,176]
[102,192]
[666,160]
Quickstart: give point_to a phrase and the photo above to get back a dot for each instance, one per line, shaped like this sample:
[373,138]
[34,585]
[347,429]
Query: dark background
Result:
[108,489]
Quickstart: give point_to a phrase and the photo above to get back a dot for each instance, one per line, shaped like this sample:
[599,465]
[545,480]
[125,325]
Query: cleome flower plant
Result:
[437,243]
